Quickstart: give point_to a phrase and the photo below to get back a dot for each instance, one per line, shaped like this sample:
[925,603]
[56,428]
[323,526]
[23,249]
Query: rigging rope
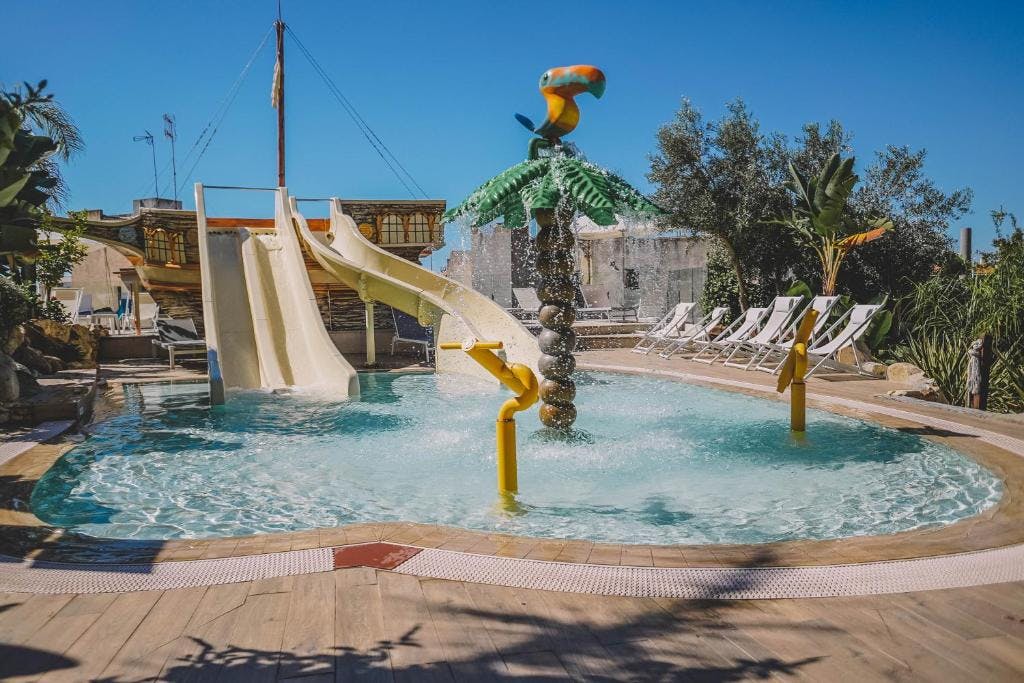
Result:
[222,110]
[368,132]
[218,113]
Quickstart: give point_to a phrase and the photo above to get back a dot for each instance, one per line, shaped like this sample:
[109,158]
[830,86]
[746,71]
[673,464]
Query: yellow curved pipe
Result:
[522,381]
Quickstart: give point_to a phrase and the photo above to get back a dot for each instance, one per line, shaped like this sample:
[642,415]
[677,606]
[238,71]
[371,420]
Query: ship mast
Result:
[279,25]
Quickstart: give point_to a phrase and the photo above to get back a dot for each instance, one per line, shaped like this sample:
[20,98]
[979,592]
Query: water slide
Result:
[263,326]
[455,310]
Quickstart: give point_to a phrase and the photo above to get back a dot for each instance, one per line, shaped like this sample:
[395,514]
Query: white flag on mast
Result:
[275,89]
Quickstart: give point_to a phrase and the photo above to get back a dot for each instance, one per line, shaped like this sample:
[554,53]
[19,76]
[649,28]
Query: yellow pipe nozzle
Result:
[521,380]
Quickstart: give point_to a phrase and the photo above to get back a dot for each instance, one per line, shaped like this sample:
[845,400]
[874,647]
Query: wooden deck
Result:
[362,624]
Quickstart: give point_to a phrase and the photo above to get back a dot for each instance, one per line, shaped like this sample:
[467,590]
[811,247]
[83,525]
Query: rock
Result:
[81,365]
[54,330]
[33,358]
[56,364]
[924,389]
[846,355]
[903,373]
[38,334]
[873,368]
[15,339]
[85,341]
[10,387]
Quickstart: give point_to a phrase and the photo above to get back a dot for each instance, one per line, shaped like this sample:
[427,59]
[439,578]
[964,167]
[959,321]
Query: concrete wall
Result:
[492,264]
[97,275]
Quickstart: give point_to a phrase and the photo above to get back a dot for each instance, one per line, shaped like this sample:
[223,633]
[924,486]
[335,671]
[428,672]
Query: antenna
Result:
[171,133]
[148,139]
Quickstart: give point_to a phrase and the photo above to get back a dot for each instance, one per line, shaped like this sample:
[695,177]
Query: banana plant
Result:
[819,218]
[26,184]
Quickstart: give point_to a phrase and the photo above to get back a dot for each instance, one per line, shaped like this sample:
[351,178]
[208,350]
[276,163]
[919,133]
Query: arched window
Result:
[419,229]
[165,247]
[177,240]
[392,230]
[157,246]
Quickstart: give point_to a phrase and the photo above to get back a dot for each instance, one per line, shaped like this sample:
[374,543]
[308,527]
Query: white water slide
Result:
[263,326]
[456,311]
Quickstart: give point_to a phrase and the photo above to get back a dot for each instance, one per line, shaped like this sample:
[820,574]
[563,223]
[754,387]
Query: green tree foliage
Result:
[709,175]
[60,250]
[715,179]
[940,317]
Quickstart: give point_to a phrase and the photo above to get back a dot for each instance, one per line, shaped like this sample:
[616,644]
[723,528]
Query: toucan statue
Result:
[559,86]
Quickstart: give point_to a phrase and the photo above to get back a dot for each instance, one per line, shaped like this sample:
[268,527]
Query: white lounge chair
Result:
[70,299]
[526,298]
[773,330]
[700,332]
[856,322]
[823,305]
[666,330]
[743,327]
[589,311]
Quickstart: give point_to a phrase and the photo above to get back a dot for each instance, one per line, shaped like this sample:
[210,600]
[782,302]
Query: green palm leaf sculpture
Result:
[553,186]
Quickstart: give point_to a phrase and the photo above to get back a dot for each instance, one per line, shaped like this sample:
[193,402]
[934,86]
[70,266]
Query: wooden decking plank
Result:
[360,644]
[407,622]
[198,654]
[308,642]
[255,641]
[1007,649]
[23,619]
[103,639]
[146,651]
[535,666]
[575,618]
[468,649]
[513,627]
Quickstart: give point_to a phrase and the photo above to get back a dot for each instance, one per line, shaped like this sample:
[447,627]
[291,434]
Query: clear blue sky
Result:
[440,81]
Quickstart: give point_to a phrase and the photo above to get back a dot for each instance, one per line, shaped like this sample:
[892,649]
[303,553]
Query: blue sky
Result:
[439,83]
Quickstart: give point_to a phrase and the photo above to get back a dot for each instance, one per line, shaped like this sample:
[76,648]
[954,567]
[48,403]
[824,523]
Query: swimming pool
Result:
[654,461]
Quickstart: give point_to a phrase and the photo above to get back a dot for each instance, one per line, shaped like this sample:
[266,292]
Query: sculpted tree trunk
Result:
[557,340]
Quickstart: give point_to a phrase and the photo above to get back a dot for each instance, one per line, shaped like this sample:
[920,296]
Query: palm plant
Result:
[819,218]
[552,186]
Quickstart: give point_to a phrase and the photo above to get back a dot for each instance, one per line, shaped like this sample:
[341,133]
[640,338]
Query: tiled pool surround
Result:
[42,559]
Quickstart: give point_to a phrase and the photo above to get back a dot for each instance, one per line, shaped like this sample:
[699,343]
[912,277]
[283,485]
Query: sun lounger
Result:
[744,327]
[699,332]
[527,301]
[409,331]
[589,311]
[823,305]
[178,337]
[855,324]
[666,330]
[70,299]
[773,330]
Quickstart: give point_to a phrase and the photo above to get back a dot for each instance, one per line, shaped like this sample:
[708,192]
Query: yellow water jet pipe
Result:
[523,383]
[793,372]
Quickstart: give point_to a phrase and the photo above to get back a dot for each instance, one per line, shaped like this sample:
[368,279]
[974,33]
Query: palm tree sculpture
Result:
[818,219]
[553,186]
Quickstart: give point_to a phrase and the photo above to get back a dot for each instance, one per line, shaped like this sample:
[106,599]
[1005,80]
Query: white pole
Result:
[371,341]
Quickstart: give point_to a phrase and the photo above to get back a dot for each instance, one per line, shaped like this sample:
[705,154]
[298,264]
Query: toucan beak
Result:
[572,80]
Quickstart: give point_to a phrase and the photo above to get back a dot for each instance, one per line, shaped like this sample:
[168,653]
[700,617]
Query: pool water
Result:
[654,461]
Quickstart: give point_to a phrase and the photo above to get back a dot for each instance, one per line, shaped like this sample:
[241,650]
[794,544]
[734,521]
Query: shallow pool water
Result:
[654,461]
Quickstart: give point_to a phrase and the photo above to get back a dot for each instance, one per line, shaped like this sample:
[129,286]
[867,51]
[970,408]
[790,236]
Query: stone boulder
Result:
[904,373]
[86,341]
[15,338]
[38,334]
[10,386]
[32,358]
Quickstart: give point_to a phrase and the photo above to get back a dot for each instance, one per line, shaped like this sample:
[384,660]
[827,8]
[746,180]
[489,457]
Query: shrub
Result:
[17,305]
